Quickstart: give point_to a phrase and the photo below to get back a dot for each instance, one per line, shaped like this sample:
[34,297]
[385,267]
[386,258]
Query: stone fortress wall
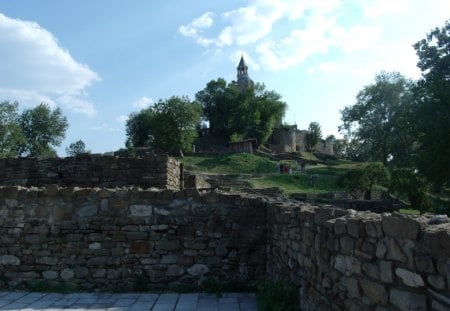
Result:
[119,238]
[291,139]
[159,171]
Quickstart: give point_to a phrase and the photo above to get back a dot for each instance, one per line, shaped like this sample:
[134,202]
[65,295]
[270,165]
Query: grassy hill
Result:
[262,172]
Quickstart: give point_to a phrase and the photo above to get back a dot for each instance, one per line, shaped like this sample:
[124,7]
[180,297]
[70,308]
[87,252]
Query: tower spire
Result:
[243,80]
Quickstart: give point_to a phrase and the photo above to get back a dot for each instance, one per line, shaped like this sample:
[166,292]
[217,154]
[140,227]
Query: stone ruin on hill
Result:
[115,235]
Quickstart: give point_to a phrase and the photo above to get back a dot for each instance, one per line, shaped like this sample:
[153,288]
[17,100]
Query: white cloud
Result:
[328,67]
[122,119]
[196,28]
[143,102]
[399,57]
[379,8]
[34,67]
[104,127]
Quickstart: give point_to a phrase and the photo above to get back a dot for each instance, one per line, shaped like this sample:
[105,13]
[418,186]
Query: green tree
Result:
[43,128]
[380,119]
[376,174]
[432,118]
[406,182]
[254,111]
[168,125]
[11,137]
[313,136]
[77,148]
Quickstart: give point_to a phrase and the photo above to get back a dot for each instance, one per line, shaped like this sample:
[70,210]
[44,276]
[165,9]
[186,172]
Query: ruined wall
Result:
[159,171]
[347,260]
[119,238]
[113,239]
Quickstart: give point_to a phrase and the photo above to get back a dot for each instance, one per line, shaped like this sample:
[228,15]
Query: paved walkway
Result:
[31,301]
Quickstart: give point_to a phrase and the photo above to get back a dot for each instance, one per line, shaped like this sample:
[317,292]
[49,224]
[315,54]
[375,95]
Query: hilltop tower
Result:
[243,80]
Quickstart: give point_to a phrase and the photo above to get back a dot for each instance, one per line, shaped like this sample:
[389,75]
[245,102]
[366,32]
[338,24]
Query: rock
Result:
[67,274]
[353,288]
[347,244]
[437,238]
[47,260]
[169,259]
[87,211]
[407,301]
[395,252]
[347,264]
[386,271]
[174,270]
[438,219]
[141,210]
[50,275]
[424,264]
[409,278]
[9,260]
[375,291]
[198,270]
[400,226]
[436,281]
[95,246]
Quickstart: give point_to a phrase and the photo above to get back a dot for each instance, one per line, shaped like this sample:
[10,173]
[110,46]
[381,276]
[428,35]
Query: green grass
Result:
[262,172]
[236,163]
[296,183]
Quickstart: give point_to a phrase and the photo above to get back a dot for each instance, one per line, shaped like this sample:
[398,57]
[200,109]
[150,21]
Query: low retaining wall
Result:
[118,239]
[160,171]
[347,260]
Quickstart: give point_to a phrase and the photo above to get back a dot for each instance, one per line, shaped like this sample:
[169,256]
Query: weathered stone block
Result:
[400,226]
[87,211]
[424,264]
[437,281]
[409,278]
[141,210]
[347,264]
[347,244]
[437,239]
[374,291]
[353,288]
[198,270]
[67,274]
[50,275]
[9,260]
[408,301]
[174,270]
[386,271]
[169,259]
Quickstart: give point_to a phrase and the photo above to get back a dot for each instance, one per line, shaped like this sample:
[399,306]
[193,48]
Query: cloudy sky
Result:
[101,60]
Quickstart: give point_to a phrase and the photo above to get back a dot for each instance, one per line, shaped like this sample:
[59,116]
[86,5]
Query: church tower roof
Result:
[243,79]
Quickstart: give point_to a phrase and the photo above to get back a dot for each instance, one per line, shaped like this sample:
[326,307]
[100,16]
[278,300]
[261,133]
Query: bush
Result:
[405,182]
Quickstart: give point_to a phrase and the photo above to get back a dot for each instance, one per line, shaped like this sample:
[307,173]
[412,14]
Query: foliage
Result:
[277,296]
[313,136]
[405,182]
[254,111]
[355,182]
[42,128]
[433,105]
[359,182]
[380,120]
[169,125]
[235,137]
[77,148]
[11,137]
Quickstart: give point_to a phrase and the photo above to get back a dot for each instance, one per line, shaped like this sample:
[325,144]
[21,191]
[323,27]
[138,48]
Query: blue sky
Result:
[101,60]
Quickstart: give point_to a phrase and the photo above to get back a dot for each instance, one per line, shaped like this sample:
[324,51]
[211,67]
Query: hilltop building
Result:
[243,79]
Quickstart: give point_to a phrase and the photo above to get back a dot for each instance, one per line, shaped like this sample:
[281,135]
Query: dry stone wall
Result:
[119,238]
[348,260]
[113,239]
[160,171]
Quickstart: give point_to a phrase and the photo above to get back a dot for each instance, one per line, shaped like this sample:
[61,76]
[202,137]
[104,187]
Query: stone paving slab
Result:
[33,301]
